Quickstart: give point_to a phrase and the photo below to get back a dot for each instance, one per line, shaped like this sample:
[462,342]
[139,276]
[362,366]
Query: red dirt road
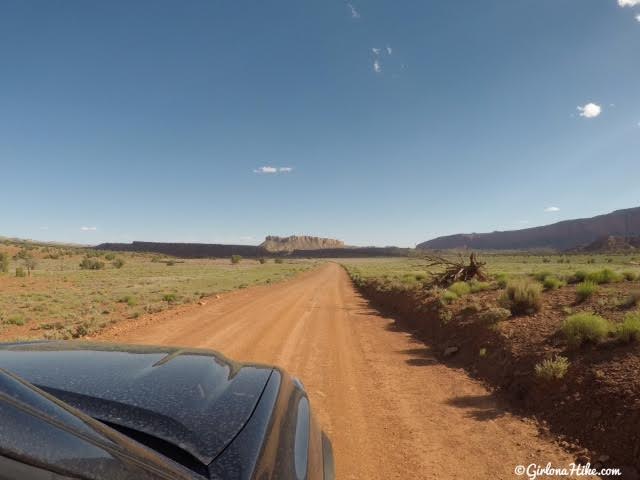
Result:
[391,410]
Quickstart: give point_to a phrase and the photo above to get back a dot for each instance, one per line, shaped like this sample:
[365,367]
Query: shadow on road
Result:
[421,357]
[479,407]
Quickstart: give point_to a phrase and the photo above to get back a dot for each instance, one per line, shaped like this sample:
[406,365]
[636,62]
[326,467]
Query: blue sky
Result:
[155,120]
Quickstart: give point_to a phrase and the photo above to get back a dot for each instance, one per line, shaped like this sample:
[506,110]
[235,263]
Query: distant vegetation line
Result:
[211,250]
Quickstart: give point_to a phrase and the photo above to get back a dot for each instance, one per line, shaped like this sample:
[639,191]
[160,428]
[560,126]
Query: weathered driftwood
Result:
[455,271]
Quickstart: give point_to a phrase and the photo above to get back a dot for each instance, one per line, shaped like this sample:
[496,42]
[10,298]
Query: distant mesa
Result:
[294,247]
[299,242]
[565,235]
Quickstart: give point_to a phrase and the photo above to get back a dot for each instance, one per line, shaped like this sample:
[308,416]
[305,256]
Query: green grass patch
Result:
[460,289]
[15,319]
[629,329]
[129,300]
[478,286]
[494,315]
[605,275]
[449,297]
[552,369]
[585,290]
[502,279]
[541,276]
[552,283]
[523,297]
[585,327]
[578,276]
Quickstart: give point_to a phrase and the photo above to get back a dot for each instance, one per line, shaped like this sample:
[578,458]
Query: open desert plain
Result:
[442,380]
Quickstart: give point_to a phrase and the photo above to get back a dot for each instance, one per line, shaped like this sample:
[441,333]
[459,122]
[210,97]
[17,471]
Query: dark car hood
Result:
[195,399]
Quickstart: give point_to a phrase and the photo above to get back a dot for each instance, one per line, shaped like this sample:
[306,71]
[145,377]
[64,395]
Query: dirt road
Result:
[391,410]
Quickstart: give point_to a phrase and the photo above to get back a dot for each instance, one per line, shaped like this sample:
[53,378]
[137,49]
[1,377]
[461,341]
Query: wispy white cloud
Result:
[628,3]
[44,227]
[376,66]
[88,229]
[552,209]
[638,17]
[352,9]
[389,50]
[266,170]
[271,170]
[376,51]
[590,110]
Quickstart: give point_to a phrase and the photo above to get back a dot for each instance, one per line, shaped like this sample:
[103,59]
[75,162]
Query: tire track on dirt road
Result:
[389,414]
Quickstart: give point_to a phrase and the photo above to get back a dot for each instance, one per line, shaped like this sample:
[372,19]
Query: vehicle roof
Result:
[197,400]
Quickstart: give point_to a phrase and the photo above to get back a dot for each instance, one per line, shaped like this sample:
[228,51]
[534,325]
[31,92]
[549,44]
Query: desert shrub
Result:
[445,316]
[523,297]
[494,315]
[52,326]
[477,286]
[110,257]
[236,259]
[118,263]
[502,280]
[278,260]
[15,319]
[541,276]
[585,290]
[262,260]
[4,262]
[585,327]
[88,263]
[577,277]
[409,279]
[552,369]
[420,276]
[605,275]
[471,309]
[170,263]
[448,296]
[154,307]
[20,272]
[629,329]
[128,299]
[591,260]
[552,283]
[62,334]
[170,297]
[629,276]
[546,260]
[460,289]
[632,300]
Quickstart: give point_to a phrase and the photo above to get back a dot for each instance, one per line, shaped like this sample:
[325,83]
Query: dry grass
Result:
[61,300]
